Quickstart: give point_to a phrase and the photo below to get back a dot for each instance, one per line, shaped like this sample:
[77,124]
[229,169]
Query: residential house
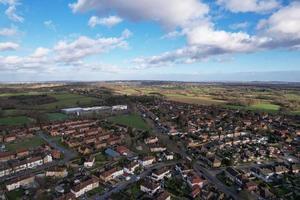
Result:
[60,172]
[150,187]
[194,180]
[159,174]
[84,187]
[151,140]
[21,181]
[131,167]
[111,174]
[146,161]
[90,162]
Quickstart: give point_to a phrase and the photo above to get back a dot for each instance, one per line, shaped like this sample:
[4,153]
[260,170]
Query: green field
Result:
[14,121]
[132,120]
[33,142]
[56,116]
[15,194]
[265,106]
[67,100]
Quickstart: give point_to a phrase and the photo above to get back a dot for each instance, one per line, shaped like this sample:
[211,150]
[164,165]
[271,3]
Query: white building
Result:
[89,163]
[150,187]
[119,107]
[85,187]
[20,182]
[160,174]
[147,161]
[130,168]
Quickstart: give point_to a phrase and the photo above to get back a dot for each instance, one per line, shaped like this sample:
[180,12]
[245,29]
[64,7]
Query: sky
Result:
[178,40]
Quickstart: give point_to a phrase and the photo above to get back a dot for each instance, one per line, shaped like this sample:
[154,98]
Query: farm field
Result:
[33,142]
[253,98]
[13,121]
[132,120]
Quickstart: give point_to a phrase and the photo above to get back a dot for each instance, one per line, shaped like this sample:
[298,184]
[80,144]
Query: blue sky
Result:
[197,40]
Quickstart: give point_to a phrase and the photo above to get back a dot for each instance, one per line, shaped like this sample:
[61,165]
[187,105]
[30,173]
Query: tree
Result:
[1,112]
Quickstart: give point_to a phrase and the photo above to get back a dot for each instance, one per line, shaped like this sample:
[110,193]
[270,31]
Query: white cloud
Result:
[50,25]
[169,13]
[8,31]
[259,6]
[69,54]
[11,11]
[283,27]
[106,21]
[84,46]
[40,52]
[8,46]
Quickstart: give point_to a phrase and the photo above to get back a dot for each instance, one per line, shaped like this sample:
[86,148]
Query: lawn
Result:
[65,100]
[15,194]
[56,116]
[33,142]
[265,106]
[132,120]
[14,121]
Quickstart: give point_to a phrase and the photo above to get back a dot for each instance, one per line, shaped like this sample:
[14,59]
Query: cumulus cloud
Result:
[8,46]
[169,13]
[85,46]
[259,6]
[8,31]
[65,53]
[40,52]
[106,21]
[11,11]
[280,30]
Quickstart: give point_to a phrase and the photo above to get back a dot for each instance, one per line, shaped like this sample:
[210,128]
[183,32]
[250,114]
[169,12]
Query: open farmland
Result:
[252,97]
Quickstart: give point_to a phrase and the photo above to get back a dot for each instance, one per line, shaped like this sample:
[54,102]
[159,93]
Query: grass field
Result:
[265,106]
[14,121]
[132,120]
[15,194]
[67,100]
[56,116]
[193,99]
[33,142]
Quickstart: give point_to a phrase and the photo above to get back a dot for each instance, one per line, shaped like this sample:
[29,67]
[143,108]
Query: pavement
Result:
[125,184]
[68,154]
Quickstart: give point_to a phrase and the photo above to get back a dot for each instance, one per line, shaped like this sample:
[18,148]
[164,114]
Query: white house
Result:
[34,162]
[20,182]
[150,187]
[130,168]
[160,174]
[89,163]
[147,161]
[84,187]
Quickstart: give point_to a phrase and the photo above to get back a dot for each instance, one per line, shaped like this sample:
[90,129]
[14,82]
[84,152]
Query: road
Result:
[123,185]
[210,175]
[68,154]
